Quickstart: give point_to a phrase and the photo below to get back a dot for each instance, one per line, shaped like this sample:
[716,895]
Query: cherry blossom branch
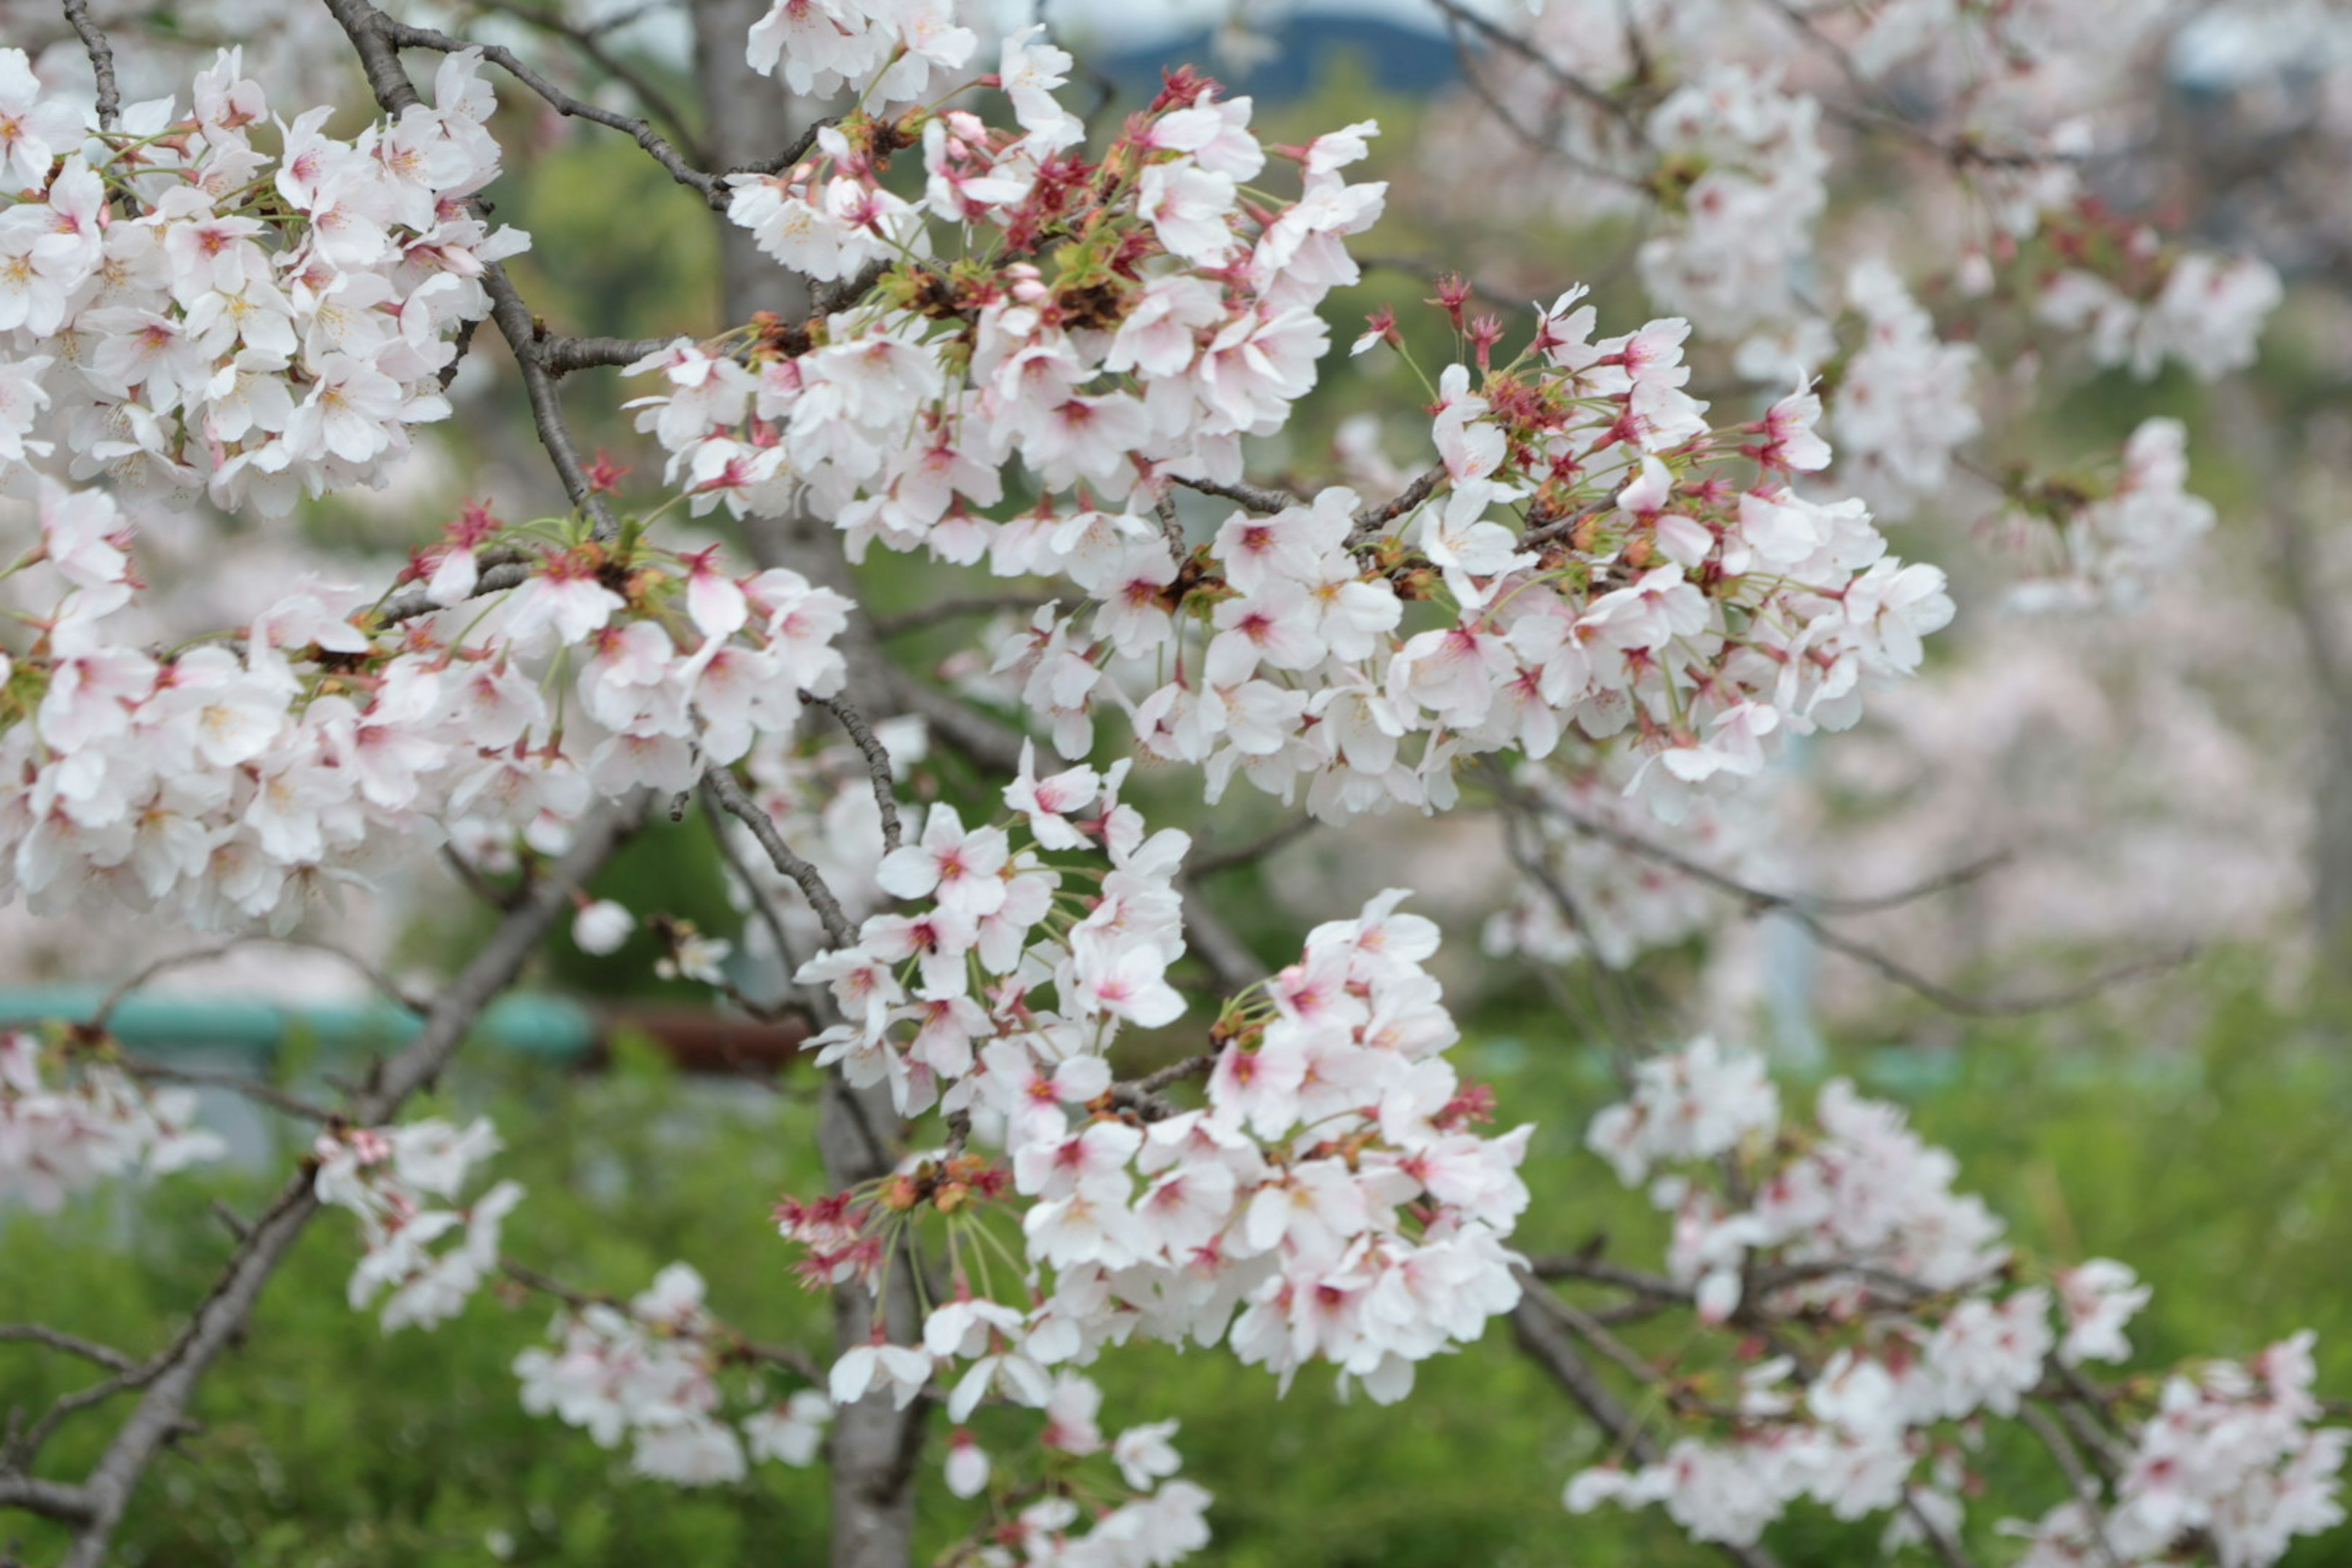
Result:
[1612,993]
[1809,914]
[170,1379]
[931,614]
[51,1499]
[1593,1271]
[729,1342]
[373,36]
[104,1013]
[586,41]
[1879,113]
[2070,1461]
[401,35]
[762,905]
[1372,519]
[236,1083]
[1211,863]
[810,881]
[1931,1530]
[1142,1095]
[562,356]
[1227,957]
[102,61]
[1543,142]
[1461,16]
[1260,498]
[495,579]
[878,761]
[1548,1342]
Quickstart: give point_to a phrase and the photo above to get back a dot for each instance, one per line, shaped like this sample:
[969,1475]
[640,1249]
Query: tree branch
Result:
[878,761]
[170,1379]
[810,881]
[102,61]
[106,1356]
[1548,1342]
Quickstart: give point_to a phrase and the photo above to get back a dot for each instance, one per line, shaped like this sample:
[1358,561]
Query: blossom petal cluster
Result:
[67,1123]
[1329,1201]
[2115,548]
[233,783]
[180,307]
[390,1178]
[650,1371]
[1893,1311]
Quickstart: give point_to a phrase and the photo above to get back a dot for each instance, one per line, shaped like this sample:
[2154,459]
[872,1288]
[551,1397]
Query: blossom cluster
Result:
[67,1124]
[1176,317]
[1329,1202]
[230,785]
[2114,547]
[651,1371]
[1903,404]
[663,1373]
[179,309]
[2199,310]
[388,1176]
[1697,116]
[1741,179]
[2231,1455]
[1656,577]
[1890,1299]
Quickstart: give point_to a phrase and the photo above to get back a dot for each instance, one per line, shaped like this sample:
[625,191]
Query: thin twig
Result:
[2086,1486]
[402,35]
[932,614]
[236,1083]
[1259,498]
[1545,1339]
[878,761]
[762,905]
[106,1356]
[811,882]
[1809,914]
[585,40]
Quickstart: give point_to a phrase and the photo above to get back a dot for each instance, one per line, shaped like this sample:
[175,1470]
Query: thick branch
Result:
[102,61]
[51,1499]
[221,1318]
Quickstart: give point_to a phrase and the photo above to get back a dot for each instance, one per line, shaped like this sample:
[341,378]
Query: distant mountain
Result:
[1398,58]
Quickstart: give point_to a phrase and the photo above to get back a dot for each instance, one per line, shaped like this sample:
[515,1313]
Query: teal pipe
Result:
[546,1028]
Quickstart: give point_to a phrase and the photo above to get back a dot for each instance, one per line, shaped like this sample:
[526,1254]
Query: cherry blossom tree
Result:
[966,322]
